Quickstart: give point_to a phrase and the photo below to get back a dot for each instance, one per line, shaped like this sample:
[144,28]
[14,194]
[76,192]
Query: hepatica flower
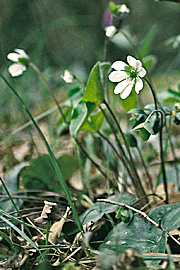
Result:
[113,18]
[21,61]
[68,77]
[128,76]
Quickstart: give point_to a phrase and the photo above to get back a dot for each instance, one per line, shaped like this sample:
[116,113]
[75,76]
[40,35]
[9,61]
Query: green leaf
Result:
[145,45]
[94,123]
[169,215]
[95,212]
[112,6]
[124,214]
[142,235]
[68,165]
[130,102]
[137,111]
[94,90]
[41,173]
[149,62]
[131,140]
[139,234]
[144,134]
[148,127]
[104,70]
[145,125]
[79,114]
[12,184]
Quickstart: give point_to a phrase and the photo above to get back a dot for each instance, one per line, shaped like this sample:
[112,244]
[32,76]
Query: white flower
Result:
[127,76]
[68,77]
[110,31]
[21,60]
[124,9]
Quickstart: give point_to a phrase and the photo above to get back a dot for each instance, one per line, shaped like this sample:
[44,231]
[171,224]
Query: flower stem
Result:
[135,177]
[121,157]
[153,93]
[133,167]
[105,53]
[161,151]
[150,182]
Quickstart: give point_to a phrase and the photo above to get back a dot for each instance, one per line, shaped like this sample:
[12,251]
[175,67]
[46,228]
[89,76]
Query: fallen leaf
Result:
[56,228]
[46,210]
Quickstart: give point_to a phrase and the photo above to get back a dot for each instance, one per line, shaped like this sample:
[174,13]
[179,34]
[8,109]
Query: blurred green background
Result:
[61,34]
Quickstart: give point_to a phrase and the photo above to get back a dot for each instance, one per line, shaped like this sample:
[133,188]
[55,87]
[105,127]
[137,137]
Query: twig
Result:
[158,225]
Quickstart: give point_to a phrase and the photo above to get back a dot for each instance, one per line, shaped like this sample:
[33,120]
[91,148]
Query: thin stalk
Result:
[123,137]
[160,138]
[135,179]
[52,157]
[153,93]
[92,161]
[49,89]
[121,157]
[145,168]
[105,52]
[173,153]
[161,151]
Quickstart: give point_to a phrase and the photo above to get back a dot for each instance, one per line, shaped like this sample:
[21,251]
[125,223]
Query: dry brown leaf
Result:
[56,228]
[46,210]
[174,197]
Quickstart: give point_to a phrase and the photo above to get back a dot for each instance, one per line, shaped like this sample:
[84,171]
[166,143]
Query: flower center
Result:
[133,73]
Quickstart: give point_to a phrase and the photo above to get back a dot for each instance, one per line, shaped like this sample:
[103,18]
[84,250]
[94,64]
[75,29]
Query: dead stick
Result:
[158,225]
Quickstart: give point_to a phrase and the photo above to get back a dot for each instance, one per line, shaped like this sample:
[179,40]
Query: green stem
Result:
[135,178]
[52,157]
[153,93]
[161,151]
[105,53]
[121,157]
[150,182]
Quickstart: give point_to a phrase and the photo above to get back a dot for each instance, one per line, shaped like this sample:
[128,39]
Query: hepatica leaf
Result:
[40,174]
[142,235]
[95,212]
[94,89]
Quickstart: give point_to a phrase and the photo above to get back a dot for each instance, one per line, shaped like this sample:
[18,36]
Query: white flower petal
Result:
[131,61]
[110,31]
[68,77]
[22,53]
[126,92]
[119,65]
[142,72]
[121,87]
[124,9]
[16,69]
[139,85]
[117,76]
[13,57]
[138,65]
